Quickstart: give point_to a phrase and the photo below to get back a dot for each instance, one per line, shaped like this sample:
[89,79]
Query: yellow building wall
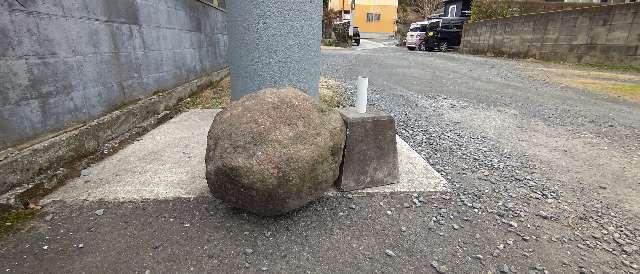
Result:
[339,4]
[388,17]
[377,2]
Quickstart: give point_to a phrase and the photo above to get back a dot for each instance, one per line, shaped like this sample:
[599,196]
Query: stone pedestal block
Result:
[370,156]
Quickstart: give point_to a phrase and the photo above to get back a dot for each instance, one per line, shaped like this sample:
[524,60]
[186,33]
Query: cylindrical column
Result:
[361,95]
[274,43]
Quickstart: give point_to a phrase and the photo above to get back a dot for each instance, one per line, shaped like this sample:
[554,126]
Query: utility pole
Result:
[274,43]
[352,11]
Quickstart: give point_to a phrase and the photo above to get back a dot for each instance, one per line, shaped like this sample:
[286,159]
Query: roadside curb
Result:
[32,172]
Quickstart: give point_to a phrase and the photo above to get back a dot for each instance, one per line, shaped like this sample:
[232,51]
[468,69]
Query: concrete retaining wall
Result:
[67,62]
[33,171]
[607,34]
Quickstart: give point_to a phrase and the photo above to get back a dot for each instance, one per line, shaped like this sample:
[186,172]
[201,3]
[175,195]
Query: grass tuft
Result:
[610,67]
[218,95]
[13,220]
[332,93]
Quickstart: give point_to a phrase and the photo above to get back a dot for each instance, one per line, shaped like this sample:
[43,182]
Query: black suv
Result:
[356,35]
[443,34]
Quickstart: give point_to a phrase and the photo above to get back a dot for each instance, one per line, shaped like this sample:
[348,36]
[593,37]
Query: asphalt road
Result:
[544,178]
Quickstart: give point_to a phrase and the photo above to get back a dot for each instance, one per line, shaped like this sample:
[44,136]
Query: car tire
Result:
[411,48]
[444,46]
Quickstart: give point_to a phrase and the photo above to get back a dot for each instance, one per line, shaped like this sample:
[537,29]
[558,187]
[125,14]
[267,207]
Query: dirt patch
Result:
[620,83]
[332,92]
[626,90]
[14,220]
[217,95]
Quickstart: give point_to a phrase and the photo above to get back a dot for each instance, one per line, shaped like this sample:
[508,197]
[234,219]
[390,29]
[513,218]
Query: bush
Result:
[341,33]
[328,17]
[489,9]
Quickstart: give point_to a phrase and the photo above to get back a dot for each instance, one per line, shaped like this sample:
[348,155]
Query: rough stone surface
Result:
[266,50]
[274,151]
[370,155]
[67,62]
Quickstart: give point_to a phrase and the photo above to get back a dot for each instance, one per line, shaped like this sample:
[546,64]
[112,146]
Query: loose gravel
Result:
[456,111]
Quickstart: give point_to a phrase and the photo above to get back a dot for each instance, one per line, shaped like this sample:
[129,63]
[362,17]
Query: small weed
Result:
[13,220]
[332,93]
[218,95]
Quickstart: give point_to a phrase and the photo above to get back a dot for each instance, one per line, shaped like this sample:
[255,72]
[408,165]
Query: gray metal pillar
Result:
[274,43]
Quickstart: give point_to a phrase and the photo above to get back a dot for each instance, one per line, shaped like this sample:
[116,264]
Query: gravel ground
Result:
[558,166]
[544,179]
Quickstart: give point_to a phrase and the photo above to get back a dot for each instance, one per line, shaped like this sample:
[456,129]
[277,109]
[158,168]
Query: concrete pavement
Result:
[168,163]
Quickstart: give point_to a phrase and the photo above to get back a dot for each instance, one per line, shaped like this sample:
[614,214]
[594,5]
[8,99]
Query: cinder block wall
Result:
[607,34]
[70,61]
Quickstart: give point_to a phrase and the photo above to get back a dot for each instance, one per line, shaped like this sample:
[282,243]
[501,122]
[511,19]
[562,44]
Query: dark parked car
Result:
[443,34]
[356,36]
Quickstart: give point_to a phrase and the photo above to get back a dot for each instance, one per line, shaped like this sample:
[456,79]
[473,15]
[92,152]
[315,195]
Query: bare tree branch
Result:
[424,8]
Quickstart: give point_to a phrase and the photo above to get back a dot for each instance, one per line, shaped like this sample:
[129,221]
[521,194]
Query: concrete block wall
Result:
[70,61]
[608,34]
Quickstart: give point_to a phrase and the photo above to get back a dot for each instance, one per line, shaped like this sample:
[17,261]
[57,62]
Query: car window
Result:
[433,26]
[414,29]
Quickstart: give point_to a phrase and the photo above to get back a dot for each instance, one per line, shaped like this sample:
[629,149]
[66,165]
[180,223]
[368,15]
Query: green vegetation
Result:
[630,91]
[603,67]
[14,220]
[217,95]
[489,9]
[611,67]
[332,93]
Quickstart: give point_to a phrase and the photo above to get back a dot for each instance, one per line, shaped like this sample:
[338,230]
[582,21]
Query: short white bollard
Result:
[361,96]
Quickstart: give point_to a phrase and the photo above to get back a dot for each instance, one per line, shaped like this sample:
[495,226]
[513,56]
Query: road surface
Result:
[543,177]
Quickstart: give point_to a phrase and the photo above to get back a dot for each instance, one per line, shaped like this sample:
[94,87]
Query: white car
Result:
[417,32]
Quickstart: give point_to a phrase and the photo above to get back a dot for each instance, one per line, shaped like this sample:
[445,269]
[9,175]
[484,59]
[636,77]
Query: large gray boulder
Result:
[274,151]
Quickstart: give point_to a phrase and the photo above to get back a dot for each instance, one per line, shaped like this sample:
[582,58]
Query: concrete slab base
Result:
[415,174]
[168,162]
